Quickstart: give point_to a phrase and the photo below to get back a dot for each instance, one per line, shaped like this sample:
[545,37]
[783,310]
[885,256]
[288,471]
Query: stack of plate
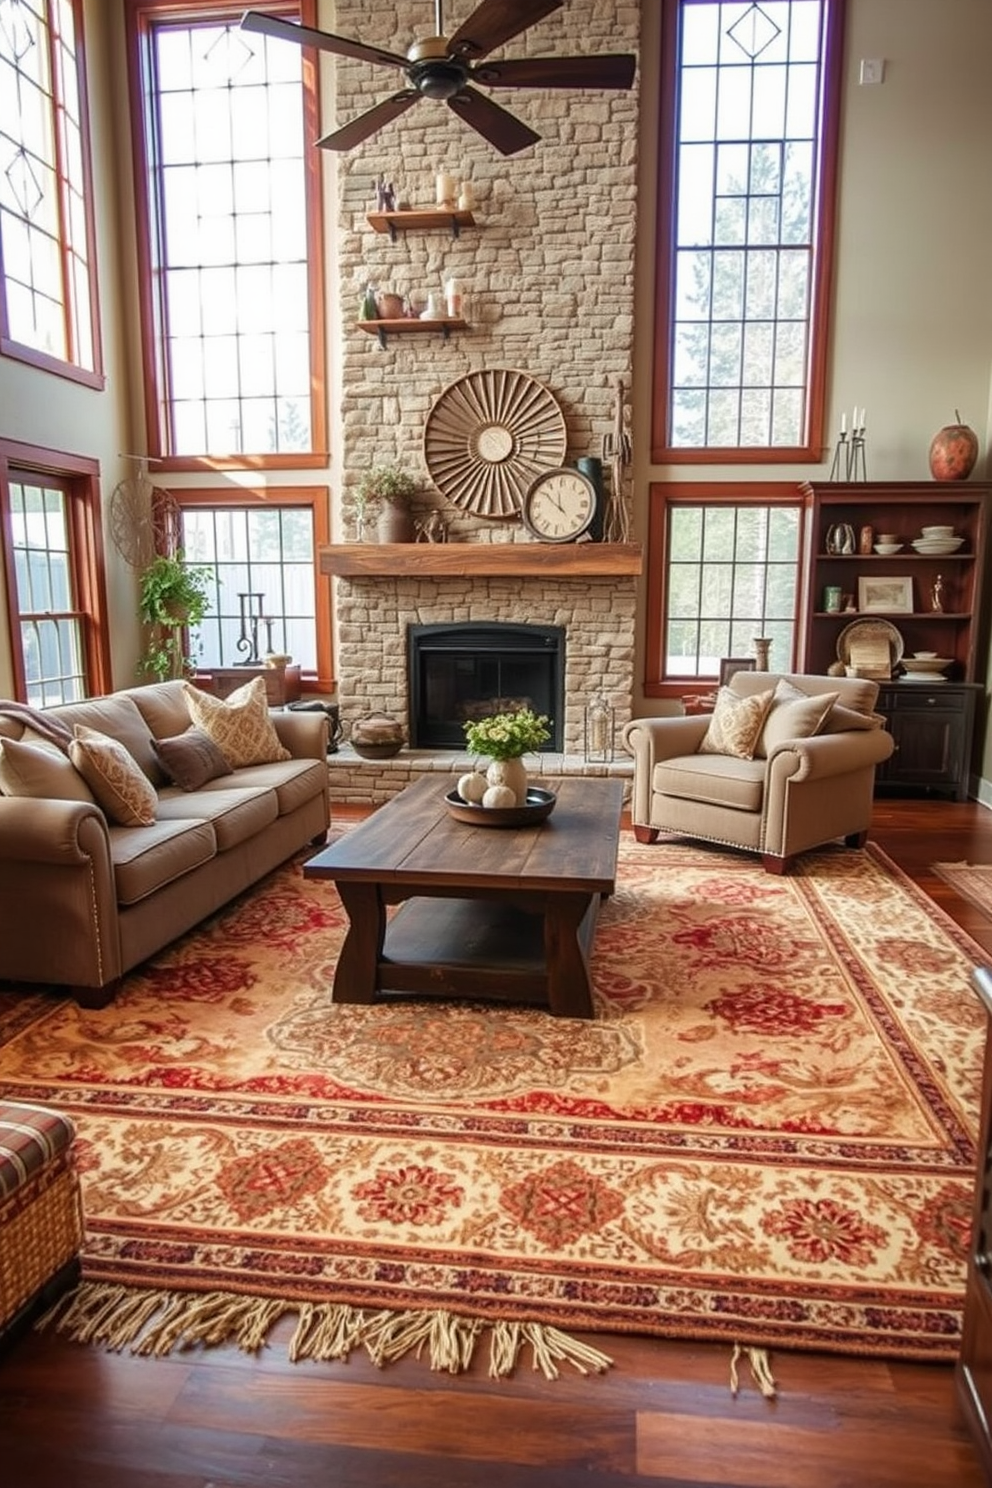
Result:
[934,546]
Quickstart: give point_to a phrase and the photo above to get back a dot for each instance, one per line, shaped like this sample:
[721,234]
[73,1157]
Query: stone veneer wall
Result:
[597,614]
[548,278]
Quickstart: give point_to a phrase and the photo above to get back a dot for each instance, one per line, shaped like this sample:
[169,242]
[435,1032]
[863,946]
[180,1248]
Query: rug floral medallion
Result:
[766,1134]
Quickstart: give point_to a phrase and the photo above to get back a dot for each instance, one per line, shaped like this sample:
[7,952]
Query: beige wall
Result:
[913,304]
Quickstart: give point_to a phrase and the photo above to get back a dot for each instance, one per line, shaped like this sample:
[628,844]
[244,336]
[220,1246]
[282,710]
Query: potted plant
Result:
[388,490]
[172,596]
[503,738]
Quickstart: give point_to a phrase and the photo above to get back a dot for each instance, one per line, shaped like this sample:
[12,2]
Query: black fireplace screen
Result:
[458,673]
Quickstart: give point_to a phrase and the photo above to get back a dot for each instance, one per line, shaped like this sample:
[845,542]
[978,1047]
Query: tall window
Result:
[48,305]
[48,522]
[725,569]
[750,103]
[228,201]
[265,595]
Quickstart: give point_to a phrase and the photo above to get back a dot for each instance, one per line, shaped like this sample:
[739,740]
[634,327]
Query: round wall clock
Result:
[559,505]
[488,435]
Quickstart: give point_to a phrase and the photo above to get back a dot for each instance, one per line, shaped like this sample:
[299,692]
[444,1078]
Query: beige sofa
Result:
[809,781]
[83,900]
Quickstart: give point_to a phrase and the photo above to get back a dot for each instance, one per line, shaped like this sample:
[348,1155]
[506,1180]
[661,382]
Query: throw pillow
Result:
[40,771]
[191,759]
[840,719]
[239,725]
[121,787]
[736,724]
[794,714]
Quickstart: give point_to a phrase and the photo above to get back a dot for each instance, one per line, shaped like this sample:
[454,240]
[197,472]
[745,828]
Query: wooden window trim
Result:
[317,498]
[139,15]
[825,214]
[661,495]
[81,476]
[18,351]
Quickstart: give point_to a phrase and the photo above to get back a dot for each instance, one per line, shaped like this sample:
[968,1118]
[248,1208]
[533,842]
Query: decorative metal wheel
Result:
[488,435]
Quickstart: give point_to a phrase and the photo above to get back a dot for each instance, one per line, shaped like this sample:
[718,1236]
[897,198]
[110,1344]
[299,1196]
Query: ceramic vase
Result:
[395,523]
[510,772]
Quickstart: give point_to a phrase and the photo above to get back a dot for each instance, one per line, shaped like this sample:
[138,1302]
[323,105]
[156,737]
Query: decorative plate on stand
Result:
[488,435]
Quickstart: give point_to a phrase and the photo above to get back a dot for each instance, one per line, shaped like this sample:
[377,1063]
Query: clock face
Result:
[559,505]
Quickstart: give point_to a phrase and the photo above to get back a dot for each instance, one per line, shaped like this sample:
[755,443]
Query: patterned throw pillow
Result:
[239,725]
[190,759]
[794,714]
[736,724]
[121,787]
[40,771]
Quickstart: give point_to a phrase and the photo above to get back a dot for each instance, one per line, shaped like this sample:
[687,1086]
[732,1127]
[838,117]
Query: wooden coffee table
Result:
[487,912]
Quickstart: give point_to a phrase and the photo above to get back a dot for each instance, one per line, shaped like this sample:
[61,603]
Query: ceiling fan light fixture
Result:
[438,79]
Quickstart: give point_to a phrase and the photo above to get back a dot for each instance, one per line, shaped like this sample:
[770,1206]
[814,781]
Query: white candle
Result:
[466,197]
[843,423]
[445,190]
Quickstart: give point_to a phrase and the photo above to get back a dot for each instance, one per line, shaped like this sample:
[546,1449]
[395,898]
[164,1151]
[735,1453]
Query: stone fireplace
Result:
[586,593]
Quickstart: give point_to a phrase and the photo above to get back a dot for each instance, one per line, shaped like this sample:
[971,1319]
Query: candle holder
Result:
[251,617]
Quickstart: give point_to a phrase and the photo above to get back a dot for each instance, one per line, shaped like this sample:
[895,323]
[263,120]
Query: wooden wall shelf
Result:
[394,222]
[412,327]
[483,560]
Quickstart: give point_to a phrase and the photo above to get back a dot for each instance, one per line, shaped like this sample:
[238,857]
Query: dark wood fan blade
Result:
[495,124]
[496,21]
[611,70]
[366,124]
[254,20]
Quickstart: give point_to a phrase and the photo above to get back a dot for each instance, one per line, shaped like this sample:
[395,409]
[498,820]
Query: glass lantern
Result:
[599,730]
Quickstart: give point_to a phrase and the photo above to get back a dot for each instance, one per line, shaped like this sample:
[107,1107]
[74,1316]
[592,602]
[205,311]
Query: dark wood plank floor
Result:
[74,1417]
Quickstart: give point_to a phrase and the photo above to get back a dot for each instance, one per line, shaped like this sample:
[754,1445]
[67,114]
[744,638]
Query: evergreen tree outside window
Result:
[228,198]
[750,97]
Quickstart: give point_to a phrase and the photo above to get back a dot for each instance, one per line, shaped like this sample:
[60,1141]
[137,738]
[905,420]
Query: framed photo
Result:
[888,596]
[732,664]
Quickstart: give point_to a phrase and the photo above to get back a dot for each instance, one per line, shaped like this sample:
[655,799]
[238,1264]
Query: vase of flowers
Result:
[504,738]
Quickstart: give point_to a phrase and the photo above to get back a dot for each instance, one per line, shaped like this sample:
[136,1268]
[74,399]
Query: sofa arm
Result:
[304,734]
[651,740]
[58,900]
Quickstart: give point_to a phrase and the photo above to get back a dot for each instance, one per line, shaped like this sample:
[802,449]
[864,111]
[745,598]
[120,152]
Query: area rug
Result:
[973,881]
[765,1136]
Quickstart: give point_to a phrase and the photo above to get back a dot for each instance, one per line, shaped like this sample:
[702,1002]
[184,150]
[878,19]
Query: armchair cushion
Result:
[736,724]
[794,714]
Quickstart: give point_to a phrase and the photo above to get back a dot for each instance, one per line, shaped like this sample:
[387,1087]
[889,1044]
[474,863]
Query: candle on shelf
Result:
[843,423]
[446,191]
[466,197]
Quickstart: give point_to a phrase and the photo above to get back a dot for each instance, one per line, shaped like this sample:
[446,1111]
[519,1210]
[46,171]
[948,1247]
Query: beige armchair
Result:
[774,775]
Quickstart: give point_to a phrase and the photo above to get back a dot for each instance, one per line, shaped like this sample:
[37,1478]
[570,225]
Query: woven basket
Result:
[41,1230]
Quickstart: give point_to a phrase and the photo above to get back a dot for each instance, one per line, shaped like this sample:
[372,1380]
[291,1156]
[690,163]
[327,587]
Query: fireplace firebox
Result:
[458,673]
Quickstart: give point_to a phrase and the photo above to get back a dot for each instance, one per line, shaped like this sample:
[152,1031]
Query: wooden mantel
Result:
[481,560]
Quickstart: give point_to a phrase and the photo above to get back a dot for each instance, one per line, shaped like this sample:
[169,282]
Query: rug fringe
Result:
[761,1370]
[162,1322]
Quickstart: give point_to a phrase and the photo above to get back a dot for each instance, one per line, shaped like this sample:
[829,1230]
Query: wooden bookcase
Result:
[932,721]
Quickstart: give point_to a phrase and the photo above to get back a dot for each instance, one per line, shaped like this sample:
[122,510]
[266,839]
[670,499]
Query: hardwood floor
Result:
[75,1417]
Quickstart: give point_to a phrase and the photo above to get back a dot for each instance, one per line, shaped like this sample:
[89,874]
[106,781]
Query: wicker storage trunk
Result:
[41,1215]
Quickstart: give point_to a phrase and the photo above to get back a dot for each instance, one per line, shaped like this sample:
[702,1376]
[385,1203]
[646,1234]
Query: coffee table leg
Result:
[356,974]
[569,923]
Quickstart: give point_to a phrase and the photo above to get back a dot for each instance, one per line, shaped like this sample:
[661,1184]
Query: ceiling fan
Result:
[443,68]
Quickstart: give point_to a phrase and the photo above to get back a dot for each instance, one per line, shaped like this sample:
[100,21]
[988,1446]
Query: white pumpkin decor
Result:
[472,787]
[499,796]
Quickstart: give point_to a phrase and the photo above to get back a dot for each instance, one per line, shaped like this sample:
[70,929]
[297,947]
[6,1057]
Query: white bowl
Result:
[938,531]
[887,548]
[924,656]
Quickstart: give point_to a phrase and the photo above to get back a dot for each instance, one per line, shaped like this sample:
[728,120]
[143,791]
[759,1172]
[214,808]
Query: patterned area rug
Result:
[973,881]
[766,1135]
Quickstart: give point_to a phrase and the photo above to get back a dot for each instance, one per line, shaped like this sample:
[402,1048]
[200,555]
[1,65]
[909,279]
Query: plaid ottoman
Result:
[41,1213]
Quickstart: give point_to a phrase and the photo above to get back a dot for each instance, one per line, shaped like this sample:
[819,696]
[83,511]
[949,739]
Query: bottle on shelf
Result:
[453,298]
